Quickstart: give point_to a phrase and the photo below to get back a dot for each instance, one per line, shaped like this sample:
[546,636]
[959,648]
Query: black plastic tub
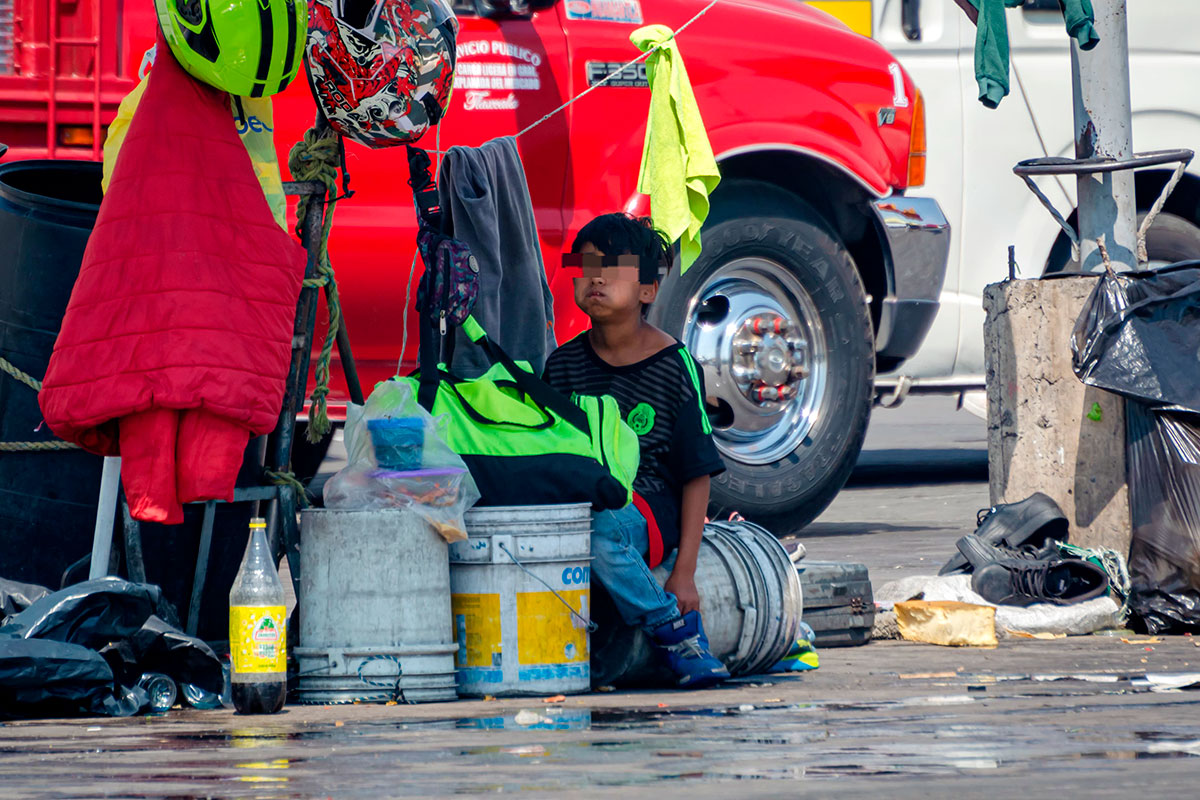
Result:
[47,499]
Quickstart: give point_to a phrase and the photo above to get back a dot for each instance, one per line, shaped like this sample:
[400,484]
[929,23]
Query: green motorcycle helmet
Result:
[249,48]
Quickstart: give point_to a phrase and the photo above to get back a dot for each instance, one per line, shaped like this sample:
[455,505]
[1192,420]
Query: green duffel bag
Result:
[526,443]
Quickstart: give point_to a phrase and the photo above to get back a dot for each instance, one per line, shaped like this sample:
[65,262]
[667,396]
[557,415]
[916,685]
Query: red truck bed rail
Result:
[60,82]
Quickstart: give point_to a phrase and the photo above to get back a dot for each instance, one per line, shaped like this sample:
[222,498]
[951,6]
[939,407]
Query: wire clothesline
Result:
[641,57]
[438,153]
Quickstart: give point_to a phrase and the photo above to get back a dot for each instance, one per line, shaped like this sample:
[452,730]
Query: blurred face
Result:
[606,291]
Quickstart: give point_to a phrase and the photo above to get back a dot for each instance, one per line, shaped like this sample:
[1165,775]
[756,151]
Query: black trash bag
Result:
[91,614]
[1162,455]
[122,660]
[53,644]
[15,597]
[46,678]
[1138,335]
[159,647]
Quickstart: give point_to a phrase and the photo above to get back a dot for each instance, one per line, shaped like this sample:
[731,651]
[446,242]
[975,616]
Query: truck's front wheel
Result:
[775,312]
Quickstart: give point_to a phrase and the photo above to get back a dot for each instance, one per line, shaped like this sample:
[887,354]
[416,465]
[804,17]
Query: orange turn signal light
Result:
[916,143]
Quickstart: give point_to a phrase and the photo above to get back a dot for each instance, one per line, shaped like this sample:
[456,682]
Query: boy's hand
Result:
[684,589]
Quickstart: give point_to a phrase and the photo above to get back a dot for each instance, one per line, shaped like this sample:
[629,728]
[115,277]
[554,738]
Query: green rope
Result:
[30,447]
[36,447]
[287,478]
[315,158]
[25,378]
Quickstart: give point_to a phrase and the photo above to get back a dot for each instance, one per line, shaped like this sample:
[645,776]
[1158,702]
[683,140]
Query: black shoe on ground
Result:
[1006,581]
[1031,522]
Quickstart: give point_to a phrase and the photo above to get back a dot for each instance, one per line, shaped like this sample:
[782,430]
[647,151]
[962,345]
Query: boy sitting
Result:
[657,385]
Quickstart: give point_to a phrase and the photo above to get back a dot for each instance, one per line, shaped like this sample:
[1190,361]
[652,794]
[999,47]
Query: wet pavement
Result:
[1036,718]
[1062,718]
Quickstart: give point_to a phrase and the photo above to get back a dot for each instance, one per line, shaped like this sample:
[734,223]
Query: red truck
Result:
[818,269]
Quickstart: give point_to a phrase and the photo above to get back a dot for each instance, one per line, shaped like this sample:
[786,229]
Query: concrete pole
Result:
[1100,85]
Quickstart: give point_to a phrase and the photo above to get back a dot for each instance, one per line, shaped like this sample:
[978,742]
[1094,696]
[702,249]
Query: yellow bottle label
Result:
[257,639]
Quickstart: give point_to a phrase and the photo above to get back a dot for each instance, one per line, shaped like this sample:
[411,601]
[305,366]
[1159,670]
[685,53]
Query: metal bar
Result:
[201,575]
[52,82]
[349,368]
[244,494]
[297,382]
[1104,129]
[106,515]
[971,11]
[99,23]
[135,565]
[290,533]
[1087,166]
[302,188]
[302,334]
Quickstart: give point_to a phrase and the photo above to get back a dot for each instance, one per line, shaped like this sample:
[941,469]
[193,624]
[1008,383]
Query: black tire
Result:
[787,493]
[1171,238]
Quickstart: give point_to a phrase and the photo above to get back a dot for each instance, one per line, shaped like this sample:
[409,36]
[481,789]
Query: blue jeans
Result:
[619,543]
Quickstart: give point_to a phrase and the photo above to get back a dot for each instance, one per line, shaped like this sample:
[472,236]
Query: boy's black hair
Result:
[623,234]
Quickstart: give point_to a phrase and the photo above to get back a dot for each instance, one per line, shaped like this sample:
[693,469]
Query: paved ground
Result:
[920,482]
[1069,717]
[892,719]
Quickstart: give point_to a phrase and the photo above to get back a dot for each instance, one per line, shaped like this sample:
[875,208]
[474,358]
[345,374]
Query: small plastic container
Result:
[399,443]
[428,487]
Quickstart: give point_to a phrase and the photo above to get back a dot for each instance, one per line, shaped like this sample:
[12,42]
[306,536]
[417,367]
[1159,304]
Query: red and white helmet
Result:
[381,70]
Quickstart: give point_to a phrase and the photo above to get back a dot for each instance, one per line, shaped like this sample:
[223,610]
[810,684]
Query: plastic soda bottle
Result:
[160,691]
[257,633]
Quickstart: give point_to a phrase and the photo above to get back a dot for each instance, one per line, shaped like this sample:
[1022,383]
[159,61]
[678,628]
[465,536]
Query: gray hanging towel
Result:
[483,191]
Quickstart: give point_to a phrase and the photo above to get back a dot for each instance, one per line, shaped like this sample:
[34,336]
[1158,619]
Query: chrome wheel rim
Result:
[756,331]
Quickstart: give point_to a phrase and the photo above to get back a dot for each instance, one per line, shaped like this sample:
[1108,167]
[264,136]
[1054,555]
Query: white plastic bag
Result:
[1076,619]
[396,457]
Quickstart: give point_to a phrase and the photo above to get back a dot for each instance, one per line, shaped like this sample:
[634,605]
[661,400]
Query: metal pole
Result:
[1100,86]
[106,517]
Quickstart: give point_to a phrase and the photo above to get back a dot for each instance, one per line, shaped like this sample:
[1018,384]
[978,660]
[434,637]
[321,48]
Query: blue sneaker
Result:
[685,647]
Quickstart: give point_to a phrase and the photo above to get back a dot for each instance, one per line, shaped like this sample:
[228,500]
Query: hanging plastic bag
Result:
[397,457]
[1162,462]
[1138,335]
[255,126]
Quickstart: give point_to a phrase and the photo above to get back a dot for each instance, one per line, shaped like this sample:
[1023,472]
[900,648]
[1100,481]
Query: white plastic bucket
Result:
[521,600]
[374,609]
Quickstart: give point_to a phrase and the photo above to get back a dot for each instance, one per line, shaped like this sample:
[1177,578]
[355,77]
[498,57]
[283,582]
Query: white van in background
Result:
[972,150]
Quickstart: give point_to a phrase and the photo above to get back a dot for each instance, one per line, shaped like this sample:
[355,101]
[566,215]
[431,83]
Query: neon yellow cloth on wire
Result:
[255,130]
[678,169]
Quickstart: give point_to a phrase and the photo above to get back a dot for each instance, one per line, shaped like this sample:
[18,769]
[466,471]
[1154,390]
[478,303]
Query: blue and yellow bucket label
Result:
[477,630]
[547,632]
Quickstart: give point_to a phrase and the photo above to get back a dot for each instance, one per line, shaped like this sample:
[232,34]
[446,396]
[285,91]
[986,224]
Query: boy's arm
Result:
[682,582]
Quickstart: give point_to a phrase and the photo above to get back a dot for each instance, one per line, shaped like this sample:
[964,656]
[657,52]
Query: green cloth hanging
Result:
[991,42]
[678,169]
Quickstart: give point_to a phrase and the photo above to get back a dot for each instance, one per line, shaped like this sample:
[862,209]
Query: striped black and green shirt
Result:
[662,399]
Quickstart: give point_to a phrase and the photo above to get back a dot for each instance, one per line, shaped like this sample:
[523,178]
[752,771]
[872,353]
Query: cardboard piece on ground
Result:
[947,622]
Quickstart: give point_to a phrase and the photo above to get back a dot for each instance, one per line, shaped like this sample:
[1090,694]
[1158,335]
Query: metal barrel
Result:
[374,609]
[784,599]
[751,604]
[521,600]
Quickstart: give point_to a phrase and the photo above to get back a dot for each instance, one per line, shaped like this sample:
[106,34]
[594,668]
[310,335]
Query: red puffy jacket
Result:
[177,339]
